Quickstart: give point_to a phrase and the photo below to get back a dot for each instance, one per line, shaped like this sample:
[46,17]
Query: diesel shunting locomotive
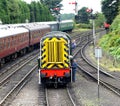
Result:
[55,59]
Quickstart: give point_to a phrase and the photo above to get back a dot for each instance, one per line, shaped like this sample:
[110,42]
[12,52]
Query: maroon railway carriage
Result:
[16,40]
[36,32]
[12,40]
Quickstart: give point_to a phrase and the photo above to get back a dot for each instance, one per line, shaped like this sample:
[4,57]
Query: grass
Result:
[106,62]
[80,29]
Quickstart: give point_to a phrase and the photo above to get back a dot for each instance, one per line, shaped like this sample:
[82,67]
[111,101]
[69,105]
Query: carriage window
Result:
[3,45]
[0,45]
[22,38]
[14,43]
[8,42]
[12,40]
[25,38]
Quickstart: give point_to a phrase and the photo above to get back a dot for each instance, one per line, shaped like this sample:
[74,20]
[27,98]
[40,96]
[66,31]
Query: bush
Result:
[86,26]
[111,42]
[116,24]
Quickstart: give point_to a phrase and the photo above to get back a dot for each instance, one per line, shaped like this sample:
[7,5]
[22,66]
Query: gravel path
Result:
[86,92]
[29,95]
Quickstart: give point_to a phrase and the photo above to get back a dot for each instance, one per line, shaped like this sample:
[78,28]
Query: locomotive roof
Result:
[57,34]
[8,31]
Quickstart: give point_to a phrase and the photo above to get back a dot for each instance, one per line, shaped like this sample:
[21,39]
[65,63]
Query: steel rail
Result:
[2,102]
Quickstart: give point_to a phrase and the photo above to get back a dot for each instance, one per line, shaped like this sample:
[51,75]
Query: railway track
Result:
[15,64]
[16,77]
[55,96]
[106,79]
[58,94]
[59,97]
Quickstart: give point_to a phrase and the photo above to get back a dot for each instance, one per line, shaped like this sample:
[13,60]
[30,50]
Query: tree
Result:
[47,14]
[110,9]
[39,12]
[24,11]
[18,11]
[32,12]
[116,24]
[13,11]
[4,11]
[100,19]
[53,5]
[83,15]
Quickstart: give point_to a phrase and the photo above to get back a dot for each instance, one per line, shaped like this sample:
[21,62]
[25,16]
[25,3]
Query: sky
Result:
[92,4]
[69,8]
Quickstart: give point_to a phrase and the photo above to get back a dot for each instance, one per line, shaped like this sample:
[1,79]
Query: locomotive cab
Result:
[54,61]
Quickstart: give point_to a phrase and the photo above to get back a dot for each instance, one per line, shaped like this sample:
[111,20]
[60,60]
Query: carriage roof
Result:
[11,31]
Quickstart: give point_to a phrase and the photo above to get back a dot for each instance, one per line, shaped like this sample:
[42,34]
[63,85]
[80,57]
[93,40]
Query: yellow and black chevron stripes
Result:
[55,53]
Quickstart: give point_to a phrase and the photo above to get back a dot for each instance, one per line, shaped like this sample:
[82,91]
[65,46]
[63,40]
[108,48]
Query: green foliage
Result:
[24,12]
[110,9]
[13,11]
[51,4]
[100,19]
[116,24]
[111,44]
[3,10]
[83,15]
[18,11]
[85,26]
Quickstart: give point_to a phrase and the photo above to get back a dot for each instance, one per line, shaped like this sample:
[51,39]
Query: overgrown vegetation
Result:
[111,42]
